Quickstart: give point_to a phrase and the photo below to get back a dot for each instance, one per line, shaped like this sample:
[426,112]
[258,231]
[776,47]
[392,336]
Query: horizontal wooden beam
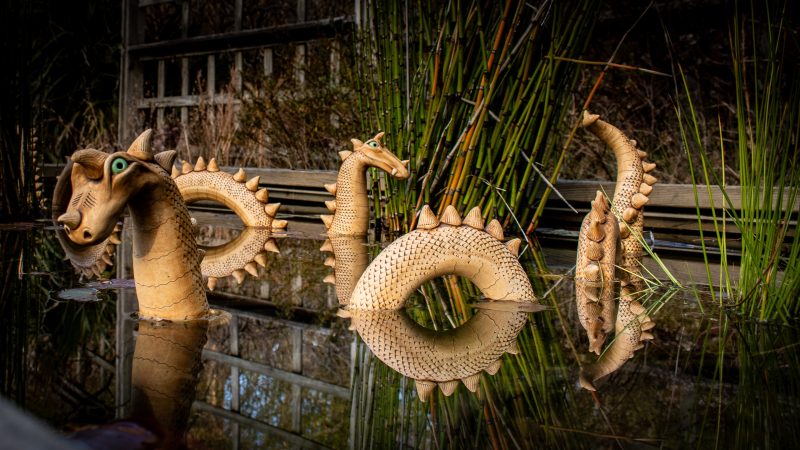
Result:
[242,40]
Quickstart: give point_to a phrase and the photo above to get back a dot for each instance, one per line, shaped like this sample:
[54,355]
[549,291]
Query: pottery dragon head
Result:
[103,184]
[379,156]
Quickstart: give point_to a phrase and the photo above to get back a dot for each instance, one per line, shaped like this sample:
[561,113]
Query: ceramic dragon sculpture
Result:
[166,260]
[349,261]
[442,246]
[605,242]
[351,207]
[203,181]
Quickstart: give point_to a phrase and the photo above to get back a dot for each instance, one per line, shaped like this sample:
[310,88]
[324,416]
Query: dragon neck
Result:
[166,262]
[352,205]
[629,164]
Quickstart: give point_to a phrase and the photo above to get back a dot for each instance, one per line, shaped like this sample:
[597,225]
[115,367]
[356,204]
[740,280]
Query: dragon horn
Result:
[141,146]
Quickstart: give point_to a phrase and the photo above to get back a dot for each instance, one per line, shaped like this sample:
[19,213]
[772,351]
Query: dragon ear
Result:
[91,161]
[140,148]
[356,143]
[166,159]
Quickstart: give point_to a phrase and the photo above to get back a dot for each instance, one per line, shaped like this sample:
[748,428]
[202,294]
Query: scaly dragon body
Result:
[442,247]
[608,239]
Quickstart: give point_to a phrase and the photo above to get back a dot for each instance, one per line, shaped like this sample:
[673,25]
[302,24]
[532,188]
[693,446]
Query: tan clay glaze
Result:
[351,207]
[349,260]
[443,246]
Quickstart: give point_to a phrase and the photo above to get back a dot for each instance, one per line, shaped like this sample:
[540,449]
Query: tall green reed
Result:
[473,93]
[767,106]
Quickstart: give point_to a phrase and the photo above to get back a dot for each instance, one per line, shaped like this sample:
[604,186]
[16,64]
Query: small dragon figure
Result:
[351,206]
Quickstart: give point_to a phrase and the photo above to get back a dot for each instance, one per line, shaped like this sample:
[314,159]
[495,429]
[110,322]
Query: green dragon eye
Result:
[373,144]
[118,165]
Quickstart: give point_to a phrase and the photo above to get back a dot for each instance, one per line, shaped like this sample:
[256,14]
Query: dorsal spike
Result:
[344,154]
[648,166]
[200,165]
[448,387]
[513,348]
[251,268]
[594,251]
[495,229]
[649,179]
[330,279]
[175,172]
[186,168]
[271,246]
[272,209]
[140,148]
[279,224]
[513,246]
[212,165]
[252,183]
[472,382]
[238,275]
[106,258]
[240,176]
[638,200]
[474,218]
[356,144]
[326,246]
[212,283]
[595,232]
[110,249]
[646,336]
[630,214]
[330,261]
[648,325]
[344,313]
[633,143]
[331,205]
[166,159]
[424,389]
[327,219]
[331,188]
[492,368]
[637,307]
[450,216]
[114,239]
[262,195]
[427,219]
[624,231]
[645,189]
[261,259]
[591,272]
[642,154]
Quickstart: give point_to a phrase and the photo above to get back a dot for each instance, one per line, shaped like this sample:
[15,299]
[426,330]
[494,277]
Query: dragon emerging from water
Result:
[166,259]
[605,243]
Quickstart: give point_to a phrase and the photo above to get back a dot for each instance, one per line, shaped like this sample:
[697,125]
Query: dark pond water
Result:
[279,369]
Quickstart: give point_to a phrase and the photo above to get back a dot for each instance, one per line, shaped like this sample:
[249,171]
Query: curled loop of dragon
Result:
[442,246]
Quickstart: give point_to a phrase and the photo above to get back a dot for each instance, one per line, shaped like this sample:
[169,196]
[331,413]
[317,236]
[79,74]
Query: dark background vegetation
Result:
[61,75]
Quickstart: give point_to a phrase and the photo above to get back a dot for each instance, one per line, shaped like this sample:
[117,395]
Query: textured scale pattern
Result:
[424,354]
[443,247]
[245,250]
[351,206]
[631,330]
[200,183]
[350,259]
[609,238]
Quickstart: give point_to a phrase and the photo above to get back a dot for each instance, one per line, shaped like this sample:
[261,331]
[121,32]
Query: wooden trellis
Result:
[176,51]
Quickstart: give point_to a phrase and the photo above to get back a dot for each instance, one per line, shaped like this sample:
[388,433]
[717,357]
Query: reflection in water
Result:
[711,380]
[244,253]
[350,259]
[439,357]
[166,364]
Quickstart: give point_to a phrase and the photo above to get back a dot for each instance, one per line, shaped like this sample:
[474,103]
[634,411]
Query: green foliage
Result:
[767,99]
[471,93]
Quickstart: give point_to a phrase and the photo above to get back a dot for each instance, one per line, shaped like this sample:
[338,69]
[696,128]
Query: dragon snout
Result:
[401,172]
[70,220]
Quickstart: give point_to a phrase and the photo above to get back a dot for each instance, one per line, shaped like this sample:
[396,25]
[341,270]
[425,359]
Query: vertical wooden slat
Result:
[297,367]
[267,54]
[301,11]
[298,66]
[131,78]
[160,88]
[335,63]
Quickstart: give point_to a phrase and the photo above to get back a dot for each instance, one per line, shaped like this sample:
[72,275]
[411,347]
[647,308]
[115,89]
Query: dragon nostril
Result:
[87,234]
